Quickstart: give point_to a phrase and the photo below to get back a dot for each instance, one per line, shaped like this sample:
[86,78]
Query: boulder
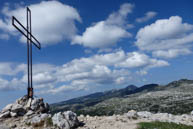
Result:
[39,118]
[29,113]
[7,108]
[35,104]
[23,100]
[144,114]
[81,115]
[71,117]
[13,114]
[65,120]
[28,105]
[186,117]
[17,108]
[5,114]
[132,114]
[45,116]
[59,120]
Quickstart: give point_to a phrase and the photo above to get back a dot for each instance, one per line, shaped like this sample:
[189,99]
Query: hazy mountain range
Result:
[175,97]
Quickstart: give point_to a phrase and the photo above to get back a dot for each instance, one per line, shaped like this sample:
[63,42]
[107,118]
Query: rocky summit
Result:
[27,113]
[24,106]
[35,114]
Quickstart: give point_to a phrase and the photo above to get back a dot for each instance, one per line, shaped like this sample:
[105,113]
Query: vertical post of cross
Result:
[29,52]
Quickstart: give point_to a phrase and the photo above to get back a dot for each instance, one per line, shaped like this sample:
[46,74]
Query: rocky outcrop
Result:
[24,106]
[31,113]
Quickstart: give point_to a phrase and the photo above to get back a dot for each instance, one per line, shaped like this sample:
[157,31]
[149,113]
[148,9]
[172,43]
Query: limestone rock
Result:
[13,114]
[59,120]
[28,105]
[132,114]
[71,118]
[5,114]
[144,114]
[25,105]
[35,104]
[39,118]
[7,108]
[81,115]
[65,120]
[17,108]
[22,101]
[30,112]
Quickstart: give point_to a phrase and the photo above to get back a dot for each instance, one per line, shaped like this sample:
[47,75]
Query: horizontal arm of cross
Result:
[33,40]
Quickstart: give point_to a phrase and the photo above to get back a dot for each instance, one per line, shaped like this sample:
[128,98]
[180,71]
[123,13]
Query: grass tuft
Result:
[162,125]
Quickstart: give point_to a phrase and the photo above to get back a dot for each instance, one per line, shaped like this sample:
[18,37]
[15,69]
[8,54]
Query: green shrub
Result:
[49,121]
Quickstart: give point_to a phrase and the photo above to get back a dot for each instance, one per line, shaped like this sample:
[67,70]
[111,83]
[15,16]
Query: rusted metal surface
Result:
[27,32]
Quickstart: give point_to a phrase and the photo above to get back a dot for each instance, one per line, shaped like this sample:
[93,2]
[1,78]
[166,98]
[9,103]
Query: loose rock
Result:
[132,114]
[7,108]
[5,114]
[65,120]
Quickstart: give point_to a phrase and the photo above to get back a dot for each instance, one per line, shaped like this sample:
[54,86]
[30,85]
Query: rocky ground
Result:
[129,120]
[34,114]
[109,122]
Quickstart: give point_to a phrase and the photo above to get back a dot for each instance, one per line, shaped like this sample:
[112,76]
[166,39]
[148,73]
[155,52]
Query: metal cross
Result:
[27,32]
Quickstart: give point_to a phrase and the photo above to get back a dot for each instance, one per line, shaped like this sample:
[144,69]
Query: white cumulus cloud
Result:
[166,37]
[171,53]
[8,68]
[148,16]
[107,33]
[136,59]
[52,21]
[110,69]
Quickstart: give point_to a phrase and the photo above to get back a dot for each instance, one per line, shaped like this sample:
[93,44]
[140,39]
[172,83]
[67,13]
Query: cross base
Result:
[30,92]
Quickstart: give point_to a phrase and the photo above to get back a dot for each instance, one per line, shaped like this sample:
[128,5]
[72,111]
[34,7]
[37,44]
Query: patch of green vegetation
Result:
[28,123]
[162,125]
[49,121]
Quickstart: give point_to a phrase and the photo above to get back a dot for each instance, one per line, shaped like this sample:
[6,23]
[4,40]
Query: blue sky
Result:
[90,46]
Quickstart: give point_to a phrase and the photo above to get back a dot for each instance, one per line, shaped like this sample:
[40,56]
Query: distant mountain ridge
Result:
[100,95]
[171,98]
